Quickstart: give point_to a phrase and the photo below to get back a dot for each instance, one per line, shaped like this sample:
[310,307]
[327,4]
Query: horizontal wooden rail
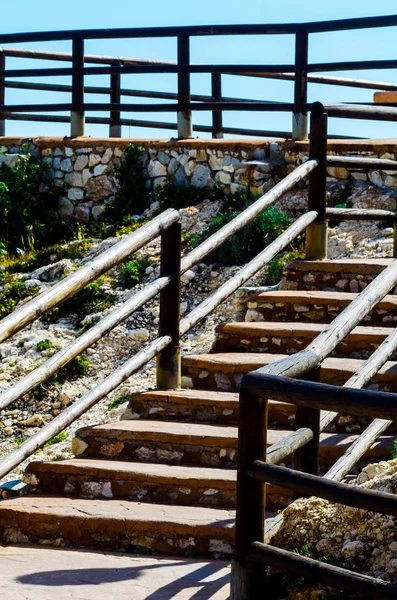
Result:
[333,491]
[87,339]
[247,215]
[363,403]
[81,405]
[360,214]
[353,162]
[378,113]
[255,265]
[323,573]
[276,453]
[65,288]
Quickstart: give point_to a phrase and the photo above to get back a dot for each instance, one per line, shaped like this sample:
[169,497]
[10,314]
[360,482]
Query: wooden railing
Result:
[300,72]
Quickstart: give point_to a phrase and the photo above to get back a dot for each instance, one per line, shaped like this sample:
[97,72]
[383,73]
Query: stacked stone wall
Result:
[83,168]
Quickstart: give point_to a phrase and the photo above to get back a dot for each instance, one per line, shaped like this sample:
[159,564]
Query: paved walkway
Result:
[37,573]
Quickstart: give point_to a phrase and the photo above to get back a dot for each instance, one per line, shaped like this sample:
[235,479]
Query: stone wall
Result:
[83,168]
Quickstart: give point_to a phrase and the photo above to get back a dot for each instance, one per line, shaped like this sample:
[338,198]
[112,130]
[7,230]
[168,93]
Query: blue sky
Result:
[77,14]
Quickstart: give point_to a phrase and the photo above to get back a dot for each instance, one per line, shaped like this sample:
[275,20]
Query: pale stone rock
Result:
[81,162]
[83,150]
[118,153]
[173,166]
[163,158]
[220,546]
[222,382]
[58,152]
[187,382]
[56,163]
[65,207]
[99,188]
[215,163]
[180,177]
[78,446]
[87,175]
[182,158]
[97,211]
[107,156]
[66,165]
[75,194]
[74,179]
[94,160]
[156,169]
[46,152]
[338,172]
[189,168]
[95,489]
[201,176]
[100,170]
[376,178]
[31,479]
[83,212]
[69,151]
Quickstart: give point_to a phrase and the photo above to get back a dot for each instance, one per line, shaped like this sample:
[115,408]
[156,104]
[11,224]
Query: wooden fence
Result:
[183,102]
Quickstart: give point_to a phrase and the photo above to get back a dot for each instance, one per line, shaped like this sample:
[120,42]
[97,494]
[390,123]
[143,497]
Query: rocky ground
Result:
[19,355]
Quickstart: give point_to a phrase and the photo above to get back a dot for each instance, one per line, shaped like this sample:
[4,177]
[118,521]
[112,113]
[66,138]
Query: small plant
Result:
[132,272]
[12,294]
[51,316]
[61,437]
[116,402]
[11,364]
[249,241]
[88,324]
[132,196]
[43,345]
[190,241]
[21,440]
[277,265]
[77,366]
[90,298]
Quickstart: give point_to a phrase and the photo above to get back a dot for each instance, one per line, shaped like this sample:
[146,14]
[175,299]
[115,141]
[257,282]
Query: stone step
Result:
[193,443]
[313,306]
[117,525]
[144,482]
[341,275]
[224,371]
[202,406]
[288,338]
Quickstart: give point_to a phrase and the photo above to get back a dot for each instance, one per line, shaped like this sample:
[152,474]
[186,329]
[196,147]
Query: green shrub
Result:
[132,196]
[393,454]
[249,241]
[190,241]
[77,366]
[28,214]
[13,293]
[90,298]
[174,195]
[61,437]
[51,315]
[277,265]
[116,402]
[44,345]
[132,272]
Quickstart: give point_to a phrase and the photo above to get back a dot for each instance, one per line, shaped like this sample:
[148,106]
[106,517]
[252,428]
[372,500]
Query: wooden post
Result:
[115,97]
[299,123]
[216,84]
[2,93]
[316,233]
[306,459]
[77,117]
[248,577]
[169,360]
[394,239]
[184,113]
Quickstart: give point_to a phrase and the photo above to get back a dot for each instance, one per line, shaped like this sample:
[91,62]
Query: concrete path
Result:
[37,573]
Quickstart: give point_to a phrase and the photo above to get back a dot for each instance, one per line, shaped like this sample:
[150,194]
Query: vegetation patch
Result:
[116,402]
[61,437]
[43,345]
[174,195]
[133,271]
[12,294]
[79,365]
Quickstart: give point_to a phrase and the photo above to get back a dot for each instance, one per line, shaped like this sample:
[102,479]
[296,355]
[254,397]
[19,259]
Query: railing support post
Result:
[169,360]
[395,239]
[77,120]
[299,117]
[216,85]
[307,458]
[115,98]
[316,233]
[184,117]
[2,93]
[249,577]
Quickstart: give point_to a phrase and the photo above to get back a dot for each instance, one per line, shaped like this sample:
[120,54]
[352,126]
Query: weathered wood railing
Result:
[301,72]
[167,345]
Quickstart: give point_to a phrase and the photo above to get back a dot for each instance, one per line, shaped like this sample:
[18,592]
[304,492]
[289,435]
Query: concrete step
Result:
[202,406]
[313,307]
[193,443]
[288,338]
[224,371]
[117,525]
[341,275]
[144,482]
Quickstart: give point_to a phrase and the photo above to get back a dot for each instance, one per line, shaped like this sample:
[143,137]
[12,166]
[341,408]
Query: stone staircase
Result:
[163,478]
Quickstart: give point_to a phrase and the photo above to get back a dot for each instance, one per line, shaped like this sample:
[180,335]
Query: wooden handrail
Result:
[65,288]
